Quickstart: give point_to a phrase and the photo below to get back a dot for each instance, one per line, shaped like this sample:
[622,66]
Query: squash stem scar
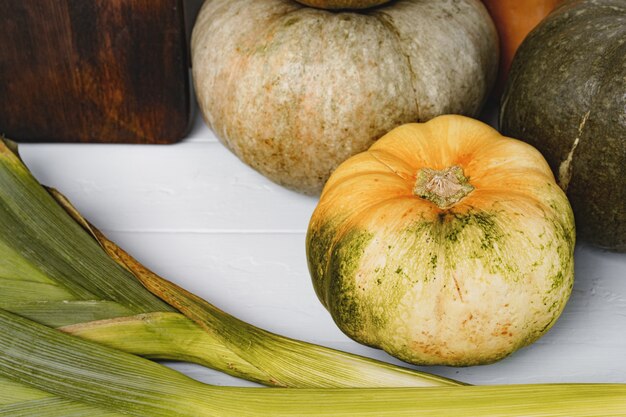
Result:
[443,188]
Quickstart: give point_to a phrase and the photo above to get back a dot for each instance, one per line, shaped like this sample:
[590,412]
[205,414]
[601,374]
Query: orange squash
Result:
[444,243]
[514,19]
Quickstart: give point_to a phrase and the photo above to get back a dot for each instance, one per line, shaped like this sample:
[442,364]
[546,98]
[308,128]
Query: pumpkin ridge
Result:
[387,21]
[345,261]
[516,194]
[332,188]
[349,224]
[343,227]
[373,152]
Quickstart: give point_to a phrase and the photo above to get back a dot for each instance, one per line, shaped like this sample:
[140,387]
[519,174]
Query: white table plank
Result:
[191,186]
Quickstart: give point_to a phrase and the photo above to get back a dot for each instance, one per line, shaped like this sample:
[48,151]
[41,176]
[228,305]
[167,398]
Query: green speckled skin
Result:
[566,96]
[462,285]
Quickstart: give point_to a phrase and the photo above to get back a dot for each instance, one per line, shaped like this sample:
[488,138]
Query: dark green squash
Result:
[566,96]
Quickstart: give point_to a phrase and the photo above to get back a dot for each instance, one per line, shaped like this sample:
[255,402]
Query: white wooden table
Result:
[198,216]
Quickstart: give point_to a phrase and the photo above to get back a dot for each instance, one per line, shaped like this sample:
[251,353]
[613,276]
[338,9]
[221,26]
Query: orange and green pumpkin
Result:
[444,243]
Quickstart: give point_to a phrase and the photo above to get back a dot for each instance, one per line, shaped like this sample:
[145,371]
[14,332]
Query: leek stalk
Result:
[85,374]
[18,400]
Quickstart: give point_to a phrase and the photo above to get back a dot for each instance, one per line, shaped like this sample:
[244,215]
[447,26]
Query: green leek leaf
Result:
[82,371]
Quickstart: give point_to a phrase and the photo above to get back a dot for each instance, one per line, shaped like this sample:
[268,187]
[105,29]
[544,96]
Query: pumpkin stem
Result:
[444,188]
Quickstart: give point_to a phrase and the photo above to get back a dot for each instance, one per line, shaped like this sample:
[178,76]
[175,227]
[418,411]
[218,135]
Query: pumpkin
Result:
[444,243]
[293,91]
[514,19]
[566,96]
[343,4]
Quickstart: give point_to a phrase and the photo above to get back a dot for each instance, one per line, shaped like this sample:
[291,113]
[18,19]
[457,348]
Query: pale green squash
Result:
[294,91]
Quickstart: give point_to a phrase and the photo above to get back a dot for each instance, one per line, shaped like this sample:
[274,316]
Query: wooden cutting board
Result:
[93,71]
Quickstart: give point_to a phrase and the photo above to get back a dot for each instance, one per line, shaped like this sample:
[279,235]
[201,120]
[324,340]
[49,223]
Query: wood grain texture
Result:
[93,71]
